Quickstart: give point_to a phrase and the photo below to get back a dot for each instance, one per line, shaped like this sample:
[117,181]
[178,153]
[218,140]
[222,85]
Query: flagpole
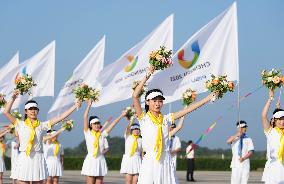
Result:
[239,109]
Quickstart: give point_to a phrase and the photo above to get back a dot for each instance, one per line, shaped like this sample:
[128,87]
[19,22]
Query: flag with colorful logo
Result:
[211,50]
[42,68]
[117,78]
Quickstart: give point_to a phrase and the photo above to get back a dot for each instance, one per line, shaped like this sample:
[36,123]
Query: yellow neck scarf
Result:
[96,135]
[3,147]
[159,139]
[134,144]
[281,149]
[32,134]
[56,150]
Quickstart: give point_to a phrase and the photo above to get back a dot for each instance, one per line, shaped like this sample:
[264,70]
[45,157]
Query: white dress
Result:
[95,166]
[131,164]
[274,173]
[32,167]
[240,170]
[153,171]
[14,158]
[53,163]
[2,162]
[174,145]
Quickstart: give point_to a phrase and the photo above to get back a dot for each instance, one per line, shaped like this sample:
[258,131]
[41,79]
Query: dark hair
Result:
[134,124]
[189,142]
[30,101]
[272,122]
[48,131]
[241,122]
[147,93]
[91,118]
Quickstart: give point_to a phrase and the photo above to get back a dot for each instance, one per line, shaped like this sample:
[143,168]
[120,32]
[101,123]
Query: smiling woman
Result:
[30,132]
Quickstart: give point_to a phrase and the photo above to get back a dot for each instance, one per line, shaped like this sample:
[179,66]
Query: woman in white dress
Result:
[31,165]
[14,155]
[274,132]
[54,155]
[131,160]
[94,166]
[2,152]
[156,164]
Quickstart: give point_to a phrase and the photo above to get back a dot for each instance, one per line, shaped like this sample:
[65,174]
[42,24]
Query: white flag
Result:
[42,68]
[211,50]
[117,78]
[87,72]
[12,64]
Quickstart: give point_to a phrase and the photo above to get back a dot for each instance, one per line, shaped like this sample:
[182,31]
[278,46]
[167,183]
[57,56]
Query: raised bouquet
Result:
[220,85]
[161,58]
[130,113]
[135,84]
[17,114]
[188,97]
[84,92]
[272,79]
[24,82]
[68,125]
[2,100]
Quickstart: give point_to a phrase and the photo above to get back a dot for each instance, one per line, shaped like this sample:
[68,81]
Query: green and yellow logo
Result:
[132,64]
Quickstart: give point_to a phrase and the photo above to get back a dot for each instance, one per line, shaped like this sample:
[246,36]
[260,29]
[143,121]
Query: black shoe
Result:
[193,180]
[187,180]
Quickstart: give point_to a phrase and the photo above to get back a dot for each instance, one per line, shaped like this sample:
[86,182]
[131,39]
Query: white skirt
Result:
[32,167]
[94,166]
[14,162]
[130,165]
[54,166]
[274,172]
[157,172]
[2,164]
[264,174]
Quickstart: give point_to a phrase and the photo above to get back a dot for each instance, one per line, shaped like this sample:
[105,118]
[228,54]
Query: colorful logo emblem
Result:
[132,64]
[187,63]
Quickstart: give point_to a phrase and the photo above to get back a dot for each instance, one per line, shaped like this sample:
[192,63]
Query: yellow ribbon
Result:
[159,138]
[32,134]
[134,144]
[96,136]
[3,147]
[56,149]
[281,148]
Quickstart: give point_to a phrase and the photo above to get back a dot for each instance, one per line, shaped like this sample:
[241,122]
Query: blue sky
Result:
[77,26]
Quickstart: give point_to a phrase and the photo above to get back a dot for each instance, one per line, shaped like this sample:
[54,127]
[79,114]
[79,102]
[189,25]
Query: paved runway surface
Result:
[113,177]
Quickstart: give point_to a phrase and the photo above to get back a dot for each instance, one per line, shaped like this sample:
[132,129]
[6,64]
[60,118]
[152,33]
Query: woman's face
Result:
[136,132]
[155,105]
[279,122]
[96,127]
[32,112]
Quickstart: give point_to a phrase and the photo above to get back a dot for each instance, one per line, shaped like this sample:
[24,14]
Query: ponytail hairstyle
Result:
[147,93]
[29,101]
[272,121]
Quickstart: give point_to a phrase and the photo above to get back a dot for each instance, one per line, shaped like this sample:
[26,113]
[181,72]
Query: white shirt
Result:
[24,135]
[48,150]
[128,145]
[176,144]
[103,144]
[273,143]
[189,155]
[247,146]
[149,132]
